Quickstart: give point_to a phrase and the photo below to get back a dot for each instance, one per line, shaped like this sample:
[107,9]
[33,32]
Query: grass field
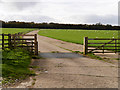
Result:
[77,36]
[14,30]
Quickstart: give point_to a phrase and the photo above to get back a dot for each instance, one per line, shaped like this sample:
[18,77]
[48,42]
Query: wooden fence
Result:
[105,45]
[13,41]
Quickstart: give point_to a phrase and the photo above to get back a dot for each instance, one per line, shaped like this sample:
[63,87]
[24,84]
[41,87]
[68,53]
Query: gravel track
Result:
[60,68]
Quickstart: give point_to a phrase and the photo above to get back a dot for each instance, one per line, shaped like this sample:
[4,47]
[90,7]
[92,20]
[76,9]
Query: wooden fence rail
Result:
[106,45]
[12,41]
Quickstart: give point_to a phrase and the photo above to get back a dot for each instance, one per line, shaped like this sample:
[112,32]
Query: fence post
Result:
[32,47]
[9,41]
[3,41]
[14,36]
[36,45]
[85,46]
[36,53]
[115,46]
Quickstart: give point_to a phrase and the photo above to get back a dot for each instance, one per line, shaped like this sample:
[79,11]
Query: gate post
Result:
[36,45]
[14,39]
[9,41]
[85,46]
[36,50]
[3,41]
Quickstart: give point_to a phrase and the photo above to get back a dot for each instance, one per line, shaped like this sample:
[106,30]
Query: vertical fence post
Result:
[9,41]
[36,45]
[115,46]
[85,47]
[3,41]
[36,48]
[32,47]
[14,36]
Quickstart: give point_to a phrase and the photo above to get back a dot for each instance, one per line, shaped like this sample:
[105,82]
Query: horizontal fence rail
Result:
[101,45]
[12,41]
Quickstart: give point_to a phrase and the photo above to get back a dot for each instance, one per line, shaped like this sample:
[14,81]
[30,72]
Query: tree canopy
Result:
[97,26]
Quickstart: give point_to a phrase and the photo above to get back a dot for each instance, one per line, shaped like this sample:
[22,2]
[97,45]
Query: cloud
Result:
[62,11]
[24,5]
[106,19]
[20,0]
[16,6]
[29,18]
[119,13]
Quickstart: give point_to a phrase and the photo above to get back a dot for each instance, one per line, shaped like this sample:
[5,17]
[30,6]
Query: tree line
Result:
[97,26]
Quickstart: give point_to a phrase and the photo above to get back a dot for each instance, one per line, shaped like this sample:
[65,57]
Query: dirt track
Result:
[60,68]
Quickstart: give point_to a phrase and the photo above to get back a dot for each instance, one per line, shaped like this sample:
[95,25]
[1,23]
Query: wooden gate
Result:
[105,45]
[28,42]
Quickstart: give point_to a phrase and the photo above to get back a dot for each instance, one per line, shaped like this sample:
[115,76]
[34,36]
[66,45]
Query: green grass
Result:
[15,30]
[77,36]
[15,65]
[93,56]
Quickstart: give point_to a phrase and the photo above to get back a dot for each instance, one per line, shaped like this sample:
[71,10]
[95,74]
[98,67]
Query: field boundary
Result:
[101,47]
[12,41]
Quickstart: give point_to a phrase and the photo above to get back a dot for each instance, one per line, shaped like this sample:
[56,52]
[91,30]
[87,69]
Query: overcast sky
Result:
[60,11]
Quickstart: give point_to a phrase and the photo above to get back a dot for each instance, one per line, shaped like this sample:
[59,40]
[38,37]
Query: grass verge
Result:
[15,65]
[91,55]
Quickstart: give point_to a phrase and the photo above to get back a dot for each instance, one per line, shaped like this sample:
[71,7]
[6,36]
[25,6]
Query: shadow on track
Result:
[60,55]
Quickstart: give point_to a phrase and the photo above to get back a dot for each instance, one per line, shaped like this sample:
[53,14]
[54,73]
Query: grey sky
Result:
[61,11]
